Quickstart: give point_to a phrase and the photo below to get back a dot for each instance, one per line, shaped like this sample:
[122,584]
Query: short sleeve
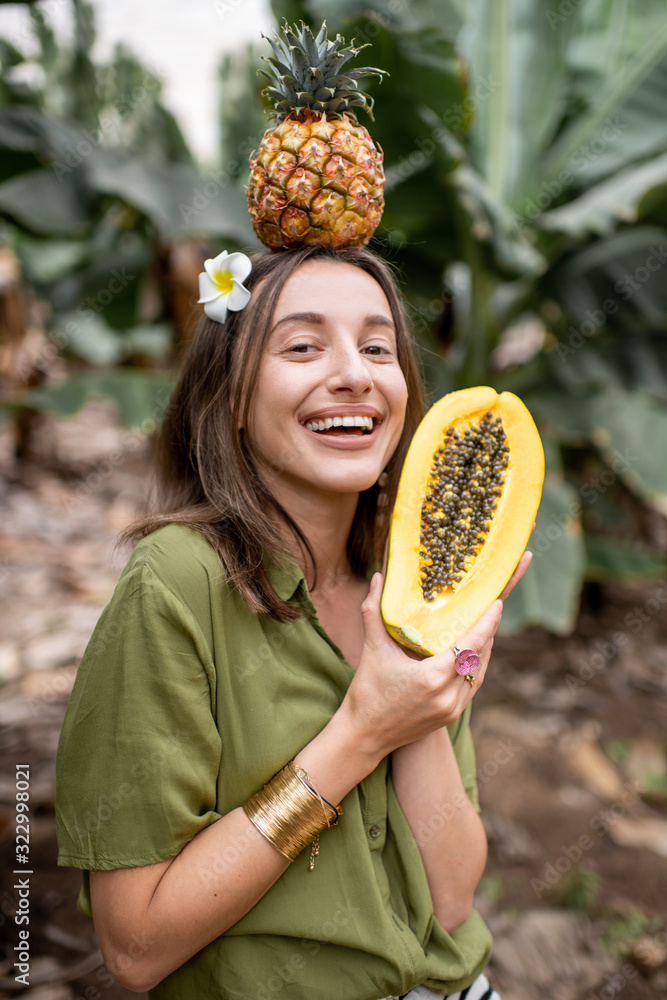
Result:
[139,753]
[464,751]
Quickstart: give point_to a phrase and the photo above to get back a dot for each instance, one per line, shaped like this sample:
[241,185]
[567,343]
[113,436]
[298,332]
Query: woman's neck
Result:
[325,522]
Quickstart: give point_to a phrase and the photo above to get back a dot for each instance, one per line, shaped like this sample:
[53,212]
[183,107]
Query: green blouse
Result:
[185,704]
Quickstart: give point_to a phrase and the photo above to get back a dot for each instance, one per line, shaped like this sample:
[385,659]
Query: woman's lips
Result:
[341,437]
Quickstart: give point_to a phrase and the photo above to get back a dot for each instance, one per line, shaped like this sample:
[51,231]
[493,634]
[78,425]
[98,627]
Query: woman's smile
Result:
[352,427]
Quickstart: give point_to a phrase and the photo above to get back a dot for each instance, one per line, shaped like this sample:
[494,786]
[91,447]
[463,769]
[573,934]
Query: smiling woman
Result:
[240,699]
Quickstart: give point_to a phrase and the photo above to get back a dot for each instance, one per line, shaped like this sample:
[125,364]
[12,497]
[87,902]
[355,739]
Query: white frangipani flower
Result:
[221,284]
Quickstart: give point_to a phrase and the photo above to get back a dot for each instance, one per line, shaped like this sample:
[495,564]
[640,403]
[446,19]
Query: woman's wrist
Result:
[290,813]
[339,757]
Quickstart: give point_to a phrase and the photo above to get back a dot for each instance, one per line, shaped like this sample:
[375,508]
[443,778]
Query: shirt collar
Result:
[286,578]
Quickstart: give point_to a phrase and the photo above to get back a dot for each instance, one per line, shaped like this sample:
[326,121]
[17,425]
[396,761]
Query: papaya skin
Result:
[427,627]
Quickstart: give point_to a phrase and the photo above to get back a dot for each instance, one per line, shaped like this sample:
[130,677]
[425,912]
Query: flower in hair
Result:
[221,284]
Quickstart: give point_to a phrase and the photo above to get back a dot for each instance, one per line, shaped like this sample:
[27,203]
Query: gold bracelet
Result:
[290,813]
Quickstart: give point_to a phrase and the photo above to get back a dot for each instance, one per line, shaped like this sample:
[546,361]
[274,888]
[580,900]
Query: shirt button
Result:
[375,831]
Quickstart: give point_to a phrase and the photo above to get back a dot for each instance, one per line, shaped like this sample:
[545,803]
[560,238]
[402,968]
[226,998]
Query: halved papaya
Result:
[467,498]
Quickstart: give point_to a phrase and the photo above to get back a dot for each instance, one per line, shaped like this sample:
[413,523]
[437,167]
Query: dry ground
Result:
[570,733]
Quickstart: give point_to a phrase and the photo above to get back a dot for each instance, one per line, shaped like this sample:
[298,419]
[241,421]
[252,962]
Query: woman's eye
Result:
[375,350]
[299,348]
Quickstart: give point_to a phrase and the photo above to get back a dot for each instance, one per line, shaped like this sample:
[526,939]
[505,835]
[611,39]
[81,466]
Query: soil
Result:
[570,736]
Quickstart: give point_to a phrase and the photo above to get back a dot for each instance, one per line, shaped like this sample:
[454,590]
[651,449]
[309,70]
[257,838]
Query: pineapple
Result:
[317,176]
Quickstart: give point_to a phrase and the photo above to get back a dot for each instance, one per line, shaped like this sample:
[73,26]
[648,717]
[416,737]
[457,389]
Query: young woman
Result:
[240,698]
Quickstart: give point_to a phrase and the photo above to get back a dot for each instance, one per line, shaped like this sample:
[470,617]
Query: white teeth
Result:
[324,425]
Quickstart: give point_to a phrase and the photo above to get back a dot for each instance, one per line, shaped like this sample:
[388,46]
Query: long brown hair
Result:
[207,478]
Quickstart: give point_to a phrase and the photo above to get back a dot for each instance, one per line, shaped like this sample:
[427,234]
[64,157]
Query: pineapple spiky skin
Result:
[317,176]
[316,180]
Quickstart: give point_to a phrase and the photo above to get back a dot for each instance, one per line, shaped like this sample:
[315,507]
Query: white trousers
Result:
[479,990]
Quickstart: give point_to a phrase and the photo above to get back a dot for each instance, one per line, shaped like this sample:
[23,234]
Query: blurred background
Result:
[525,148]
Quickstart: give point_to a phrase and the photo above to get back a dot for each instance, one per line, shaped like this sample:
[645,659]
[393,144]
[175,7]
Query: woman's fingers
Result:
[521,568]
[374,630]
[481,634]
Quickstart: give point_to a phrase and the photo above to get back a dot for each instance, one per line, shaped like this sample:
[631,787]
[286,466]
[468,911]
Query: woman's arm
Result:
[150,920]
[448,831]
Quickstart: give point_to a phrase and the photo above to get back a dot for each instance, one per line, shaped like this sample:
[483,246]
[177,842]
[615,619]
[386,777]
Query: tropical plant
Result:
[97,192]
[526,205]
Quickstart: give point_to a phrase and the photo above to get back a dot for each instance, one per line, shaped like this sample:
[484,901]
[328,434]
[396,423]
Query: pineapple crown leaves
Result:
[305,73]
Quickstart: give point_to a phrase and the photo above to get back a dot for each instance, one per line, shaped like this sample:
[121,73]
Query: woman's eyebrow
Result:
[317,319]
[377,319]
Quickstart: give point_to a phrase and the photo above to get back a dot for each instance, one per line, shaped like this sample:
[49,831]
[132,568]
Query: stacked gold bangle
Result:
[290,813]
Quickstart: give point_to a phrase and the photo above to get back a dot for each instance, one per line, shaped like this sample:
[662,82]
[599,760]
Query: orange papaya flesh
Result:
[466,502]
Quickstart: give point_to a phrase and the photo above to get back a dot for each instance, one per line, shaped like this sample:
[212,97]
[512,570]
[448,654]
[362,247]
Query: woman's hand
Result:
[396,698]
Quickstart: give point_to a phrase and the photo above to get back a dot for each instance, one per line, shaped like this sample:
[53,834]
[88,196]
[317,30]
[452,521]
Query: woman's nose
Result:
[350,372]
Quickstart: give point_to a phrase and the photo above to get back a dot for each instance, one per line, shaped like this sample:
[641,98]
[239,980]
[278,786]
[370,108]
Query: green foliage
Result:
[491,887]
[96,181]
[579,890]
[611,559]
[140,396]
[526,206]
[623,927]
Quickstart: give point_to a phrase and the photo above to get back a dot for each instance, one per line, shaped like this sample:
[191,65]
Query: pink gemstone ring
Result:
[466,663]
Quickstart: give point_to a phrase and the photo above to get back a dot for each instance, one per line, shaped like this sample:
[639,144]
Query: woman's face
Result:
[329,403]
